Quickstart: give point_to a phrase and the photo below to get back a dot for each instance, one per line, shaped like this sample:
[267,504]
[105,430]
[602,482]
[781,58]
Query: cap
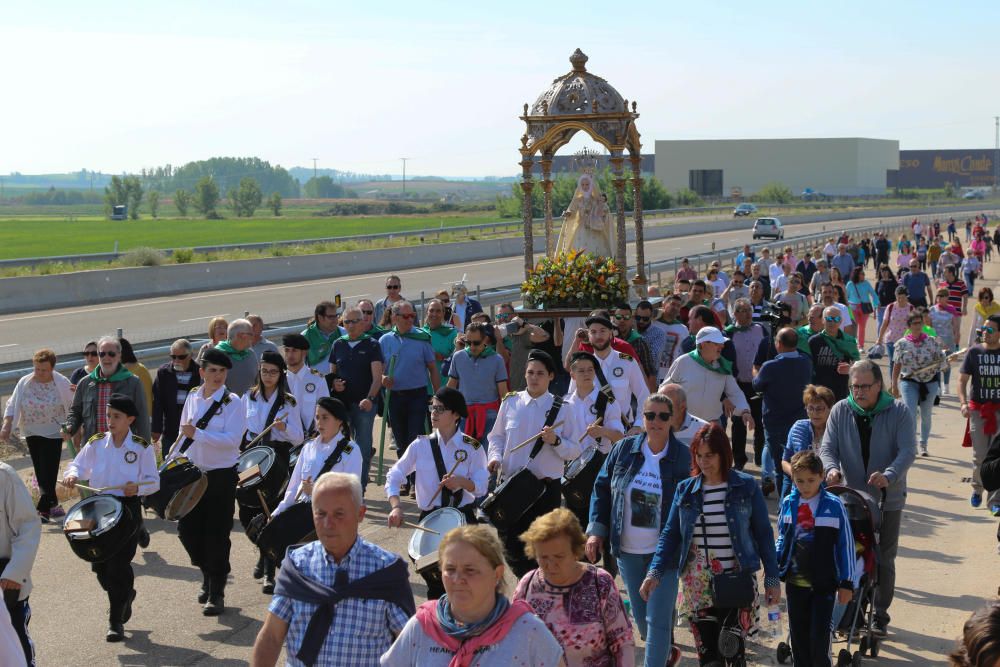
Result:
[295,341]
[216,357]
[123,403]
[709,335]
[603,321]
[273,358]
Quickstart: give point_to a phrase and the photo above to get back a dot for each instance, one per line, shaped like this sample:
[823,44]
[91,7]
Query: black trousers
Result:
[20,616]
[740,430]
[809,615]
[204,532]
[45,453]
[518,561]
[707,627]
[115,574]
[435,588]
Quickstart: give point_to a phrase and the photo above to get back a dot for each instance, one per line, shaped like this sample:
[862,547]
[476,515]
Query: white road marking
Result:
[9,345]
[206,317]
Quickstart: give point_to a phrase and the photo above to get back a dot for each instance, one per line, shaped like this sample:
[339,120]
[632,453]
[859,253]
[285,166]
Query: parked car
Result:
[744,209]
[768,227]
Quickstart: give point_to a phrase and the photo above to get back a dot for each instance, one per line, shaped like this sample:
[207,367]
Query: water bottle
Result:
[774,629]
[628,605]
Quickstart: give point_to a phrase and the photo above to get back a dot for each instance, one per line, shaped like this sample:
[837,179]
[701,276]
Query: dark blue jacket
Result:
[782,380]
[607,502]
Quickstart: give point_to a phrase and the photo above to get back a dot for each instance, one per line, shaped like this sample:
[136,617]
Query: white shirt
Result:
[307,386]
[579,412]
[258,410]
[690,426]
[521,417]
[419,459]
[311,459]
[779,284]
[641,521]
[103,464]
[218,445]
[676,333]
[705,389]
[625,377]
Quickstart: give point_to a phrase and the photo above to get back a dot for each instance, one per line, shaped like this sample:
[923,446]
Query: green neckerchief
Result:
[232,352]
[884,401]
[725,366]
[805,333]
[414,334]
[117,376]
[347,338]
[927,329]
[633,336]
[443,329]
[843,344]
[488,351]
[733,328]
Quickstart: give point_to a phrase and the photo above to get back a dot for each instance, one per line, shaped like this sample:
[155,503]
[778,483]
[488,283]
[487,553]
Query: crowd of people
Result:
[574,450]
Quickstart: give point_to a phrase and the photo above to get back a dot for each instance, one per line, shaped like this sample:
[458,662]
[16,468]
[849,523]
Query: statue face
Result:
[585,185]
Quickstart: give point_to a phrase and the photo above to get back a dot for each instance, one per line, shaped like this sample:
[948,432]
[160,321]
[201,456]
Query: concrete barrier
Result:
[34,293]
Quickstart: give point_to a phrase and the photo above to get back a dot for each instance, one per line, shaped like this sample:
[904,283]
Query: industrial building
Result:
[740,167]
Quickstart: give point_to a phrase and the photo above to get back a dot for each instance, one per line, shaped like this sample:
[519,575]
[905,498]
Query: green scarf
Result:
[725,366]
[232,352]
[488,351]
[734,328]
[805,333]
[347,338]
[414,334]
[117,376]
[884,401]
[843,344]
[633,336]
[443,329]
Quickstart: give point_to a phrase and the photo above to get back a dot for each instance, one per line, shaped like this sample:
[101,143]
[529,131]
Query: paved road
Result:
[65,330]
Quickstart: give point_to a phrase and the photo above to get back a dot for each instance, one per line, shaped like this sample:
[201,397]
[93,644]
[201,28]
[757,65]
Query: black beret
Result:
[273,358]
[123,403]
[295,341]
[453,400]
[543,358]
[603,321]
[217,357]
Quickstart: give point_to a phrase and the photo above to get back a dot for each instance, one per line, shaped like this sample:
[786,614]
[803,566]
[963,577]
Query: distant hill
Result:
[77,180]
[303,174]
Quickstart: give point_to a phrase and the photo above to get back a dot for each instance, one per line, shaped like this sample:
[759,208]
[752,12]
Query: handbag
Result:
[730,590]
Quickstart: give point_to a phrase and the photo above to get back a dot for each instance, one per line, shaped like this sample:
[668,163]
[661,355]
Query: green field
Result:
[50,236]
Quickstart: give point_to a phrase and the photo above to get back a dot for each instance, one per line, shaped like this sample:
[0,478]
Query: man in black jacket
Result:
[174,380]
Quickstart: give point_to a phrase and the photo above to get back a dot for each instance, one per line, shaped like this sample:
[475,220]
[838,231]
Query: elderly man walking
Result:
[869,445]
[684,424]
[174,380]
[238,347]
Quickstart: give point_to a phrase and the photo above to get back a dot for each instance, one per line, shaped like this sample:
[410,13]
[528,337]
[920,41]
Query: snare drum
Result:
[578,480]
[98,527]
[423,547]
[512,499]
[270,482]
[293,526]
[182,484]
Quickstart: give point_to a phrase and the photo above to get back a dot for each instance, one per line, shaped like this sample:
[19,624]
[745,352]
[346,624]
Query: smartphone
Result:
[336,300]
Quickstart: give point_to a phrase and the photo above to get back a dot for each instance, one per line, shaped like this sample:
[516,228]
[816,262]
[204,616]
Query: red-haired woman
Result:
[718,523]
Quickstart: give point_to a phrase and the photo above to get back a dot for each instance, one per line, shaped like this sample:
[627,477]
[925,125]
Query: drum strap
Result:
[601,404]
[272,413]
[550,419]
[334,457]
[448,497]
[202,424]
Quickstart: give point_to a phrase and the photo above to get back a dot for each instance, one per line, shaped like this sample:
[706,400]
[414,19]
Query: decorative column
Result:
[527,185]
[617,169]
[640,253]
[550,244]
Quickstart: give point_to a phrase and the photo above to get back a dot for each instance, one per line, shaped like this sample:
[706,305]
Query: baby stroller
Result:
[854,622]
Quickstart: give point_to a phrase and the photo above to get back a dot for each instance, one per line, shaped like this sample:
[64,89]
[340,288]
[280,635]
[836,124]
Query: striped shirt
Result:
[713,521]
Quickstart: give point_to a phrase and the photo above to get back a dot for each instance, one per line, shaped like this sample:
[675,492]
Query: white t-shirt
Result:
[642,520]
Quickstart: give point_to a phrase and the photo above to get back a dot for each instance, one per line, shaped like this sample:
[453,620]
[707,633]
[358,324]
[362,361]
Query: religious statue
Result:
[587,223]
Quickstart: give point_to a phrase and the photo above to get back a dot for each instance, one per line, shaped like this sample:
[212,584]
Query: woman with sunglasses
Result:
[628,509]
[89,355]
[985,307]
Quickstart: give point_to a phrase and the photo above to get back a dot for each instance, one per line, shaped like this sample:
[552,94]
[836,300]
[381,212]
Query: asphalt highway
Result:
[65,330]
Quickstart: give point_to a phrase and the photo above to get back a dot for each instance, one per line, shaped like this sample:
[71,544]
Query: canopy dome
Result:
[578,92]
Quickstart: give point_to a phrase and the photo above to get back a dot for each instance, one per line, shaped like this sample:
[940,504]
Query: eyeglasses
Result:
[473,343]
[392,286]
[352,321]
[89,353]
[832,318]
[989,330]
[269,372]
[178,357]
[109,353]
[367,312]
[662,416]
[436,409]
[407,316]
[817,408]
[862,387]
[738,283]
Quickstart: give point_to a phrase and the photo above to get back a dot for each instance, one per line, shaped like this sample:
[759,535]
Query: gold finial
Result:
[579,61]
[525,108]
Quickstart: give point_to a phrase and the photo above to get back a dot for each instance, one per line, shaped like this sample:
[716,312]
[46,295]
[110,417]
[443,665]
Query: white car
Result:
[768,227]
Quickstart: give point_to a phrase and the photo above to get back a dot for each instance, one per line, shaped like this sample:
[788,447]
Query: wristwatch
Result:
[372,398]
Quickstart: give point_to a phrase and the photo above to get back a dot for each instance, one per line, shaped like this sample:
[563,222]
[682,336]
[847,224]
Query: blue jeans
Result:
[407,415]
[879,314]
[775,451]
[655,618]
[362,424]
[889,347]
[910,393]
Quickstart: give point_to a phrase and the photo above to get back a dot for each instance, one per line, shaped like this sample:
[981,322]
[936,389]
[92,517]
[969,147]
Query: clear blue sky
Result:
[116,86]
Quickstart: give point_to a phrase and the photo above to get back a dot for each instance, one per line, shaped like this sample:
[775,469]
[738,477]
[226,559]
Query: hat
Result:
[543,358]
[453,400]
[709,335]
[603,321]
[217,357]
[123,403]
[295,341]
[273,358]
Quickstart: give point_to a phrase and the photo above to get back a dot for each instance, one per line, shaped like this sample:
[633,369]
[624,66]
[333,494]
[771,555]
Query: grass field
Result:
[49,236]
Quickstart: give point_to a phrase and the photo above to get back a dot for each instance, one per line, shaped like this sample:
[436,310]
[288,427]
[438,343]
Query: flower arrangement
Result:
[574,279]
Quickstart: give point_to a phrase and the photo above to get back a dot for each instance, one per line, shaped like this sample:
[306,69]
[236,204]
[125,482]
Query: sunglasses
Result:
[107,354]
[989,330]
[392,286]
[351,321]
[474,343]
[623,317]
[407,316]
[832,318]
[662,416]
[367,312]
[88,353]
[178,357]
[643,318]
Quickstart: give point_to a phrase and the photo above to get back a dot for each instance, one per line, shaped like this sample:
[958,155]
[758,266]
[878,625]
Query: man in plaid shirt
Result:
[340,600]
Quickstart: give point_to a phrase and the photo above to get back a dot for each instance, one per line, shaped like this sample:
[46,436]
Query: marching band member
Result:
[214,420]
[449,467]
[622,371]
[123,460]
[307,385]
[522,415]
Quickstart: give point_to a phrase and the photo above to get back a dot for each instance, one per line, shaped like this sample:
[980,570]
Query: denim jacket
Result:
[607,503]
[749,527]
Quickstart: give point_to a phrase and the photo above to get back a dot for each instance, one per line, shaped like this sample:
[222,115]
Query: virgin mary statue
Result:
[587,221]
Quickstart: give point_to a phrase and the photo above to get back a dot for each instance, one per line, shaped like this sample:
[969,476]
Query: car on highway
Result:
[768,227]
[974,194]
[744,209]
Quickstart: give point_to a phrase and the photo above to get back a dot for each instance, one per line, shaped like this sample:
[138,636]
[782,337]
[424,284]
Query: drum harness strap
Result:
[604,396]
[448,497]
[334,457]
[202,423]
[550,419]
[278,403]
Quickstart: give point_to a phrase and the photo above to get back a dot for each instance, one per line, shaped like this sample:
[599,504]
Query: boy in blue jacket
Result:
[815,559]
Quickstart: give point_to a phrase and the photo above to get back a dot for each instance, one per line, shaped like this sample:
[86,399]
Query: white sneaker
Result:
[923,450]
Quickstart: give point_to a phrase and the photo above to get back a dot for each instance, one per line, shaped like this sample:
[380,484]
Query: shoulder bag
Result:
[730,590]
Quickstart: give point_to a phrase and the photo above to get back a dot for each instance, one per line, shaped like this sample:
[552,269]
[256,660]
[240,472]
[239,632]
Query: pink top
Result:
[587,618]
[897,321]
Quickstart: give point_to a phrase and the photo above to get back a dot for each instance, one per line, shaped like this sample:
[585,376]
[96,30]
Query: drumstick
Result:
[460,456]
[419,527]
[82,486]
[263,504]
[596,423]
[534,437]
[261,435]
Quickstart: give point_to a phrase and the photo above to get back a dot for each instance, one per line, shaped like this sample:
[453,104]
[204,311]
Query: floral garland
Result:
[574,279]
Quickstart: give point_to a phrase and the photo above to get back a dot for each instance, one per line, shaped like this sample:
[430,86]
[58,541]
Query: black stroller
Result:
[855,622]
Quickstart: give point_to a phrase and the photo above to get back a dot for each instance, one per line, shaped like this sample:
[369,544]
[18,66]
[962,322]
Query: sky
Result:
[116,86]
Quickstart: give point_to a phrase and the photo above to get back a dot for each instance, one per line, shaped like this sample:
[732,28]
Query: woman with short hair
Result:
[218,331]
[807,433]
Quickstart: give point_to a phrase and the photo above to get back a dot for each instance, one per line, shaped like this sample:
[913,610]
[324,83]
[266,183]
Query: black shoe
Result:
[203,593]
[880,628]
[258,569]
[268,588]
[214,607]
[767,487]
[127,612]
[143,538]
[116,632]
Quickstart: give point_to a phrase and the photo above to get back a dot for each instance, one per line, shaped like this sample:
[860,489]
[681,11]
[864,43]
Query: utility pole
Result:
[996,156]
[404,159]
[314,166]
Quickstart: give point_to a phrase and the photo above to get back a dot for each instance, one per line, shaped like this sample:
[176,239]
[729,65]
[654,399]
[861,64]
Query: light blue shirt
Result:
[412,356]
